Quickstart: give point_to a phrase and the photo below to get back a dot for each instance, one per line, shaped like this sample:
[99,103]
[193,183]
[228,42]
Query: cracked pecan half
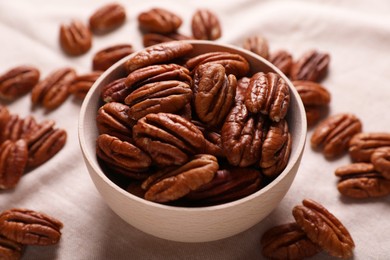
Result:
[362,145]
[257,44]
[268,94]
[312,66]
[29,227]
[170,96]
[334,133]
[361,180]
[18,81]
[381,160]
[83,83]
[324,229]
[287,242]
[159,20]
[205,25]
[10,250]
[106,57]
[276,149]
[107,18]
[173,183]
[214,93]
[283,60]
[168,138]
[13,161]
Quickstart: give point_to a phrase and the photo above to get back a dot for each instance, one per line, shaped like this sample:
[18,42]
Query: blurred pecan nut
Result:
[214,93]
[18,81]
[276,149]
[324,229]
[169,139]
[113,119]
[53,90]
[242,135]
[257,44]
[361,180]
[150,39]
[283,60]
[172,184]
[123,156]
[234,63]
[287,242]
[334,133]
[18,128]
[380,158]
[268,94]
[169,96]
[312,66]
[313,114]
[29,227]
[75,38]
[13,161]
[228,185]
[159,20]
[157,54]
[4,119]
[106,57]
[205,25]
[312,93]
[83,83]
[10,250]
[362,145]
[107,18]
[44,143]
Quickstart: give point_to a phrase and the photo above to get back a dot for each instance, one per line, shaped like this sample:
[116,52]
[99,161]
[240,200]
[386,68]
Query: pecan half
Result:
[269,95]
[113,119]
[107,18]
[276,149]
[29,227]
[213,139]
[18,81]
[312,93]
[106,57]
[169,96]
[17,128]
[159,20]
[324,229]
[83,83]
[115,91]
[205,25]
[312,65]
[227,185]
[172,184]
[43,143]
[257,44]
[10,250]
[361,180]
[168,138]
[334,133]
[149,39]
[234,63]
[214,93]
[381,160]
[287,242]
[362,145]
[53,90]
[159,53]
[283,60]
[242,135]
[13,161]
[75,38]
[123,156]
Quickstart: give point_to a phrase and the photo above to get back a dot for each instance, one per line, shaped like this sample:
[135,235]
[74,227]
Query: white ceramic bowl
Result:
[199,224]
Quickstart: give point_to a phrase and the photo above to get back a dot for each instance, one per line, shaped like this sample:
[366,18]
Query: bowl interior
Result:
[207,223]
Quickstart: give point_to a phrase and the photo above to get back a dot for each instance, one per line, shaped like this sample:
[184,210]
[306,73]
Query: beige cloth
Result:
[355,33]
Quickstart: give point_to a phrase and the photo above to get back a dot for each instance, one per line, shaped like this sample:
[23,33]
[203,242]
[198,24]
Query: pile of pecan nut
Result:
[193,130]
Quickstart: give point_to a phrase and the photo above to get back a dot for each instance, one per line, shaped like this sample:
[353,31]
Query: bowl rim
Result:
[91,157]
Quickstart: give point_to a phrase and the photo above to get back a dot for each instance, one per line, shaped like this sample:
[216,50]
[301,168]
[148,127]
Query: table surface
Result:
[355,33]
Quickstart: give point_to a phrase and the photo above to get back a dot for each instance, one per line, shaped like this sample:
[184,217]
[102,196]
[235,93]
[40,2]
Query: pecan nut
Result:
[169,96]
[268,94]
[106,57]
[205,25]
[314,114]
[159,20]
[312,66]
[4,119]
[168,138]
[149,39]
[107,18]
[257,44]
[362,145]
[10,250]
[75,38]
[13,161]
[213,139]
[324,229]
[83,83]
[334,133]
[283,60]
[172,184]
[29,227]
[53,90]
[214,93]
[361,180]
[381,160]
[18,81]
[115,91]
[287,241]
[312,93]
